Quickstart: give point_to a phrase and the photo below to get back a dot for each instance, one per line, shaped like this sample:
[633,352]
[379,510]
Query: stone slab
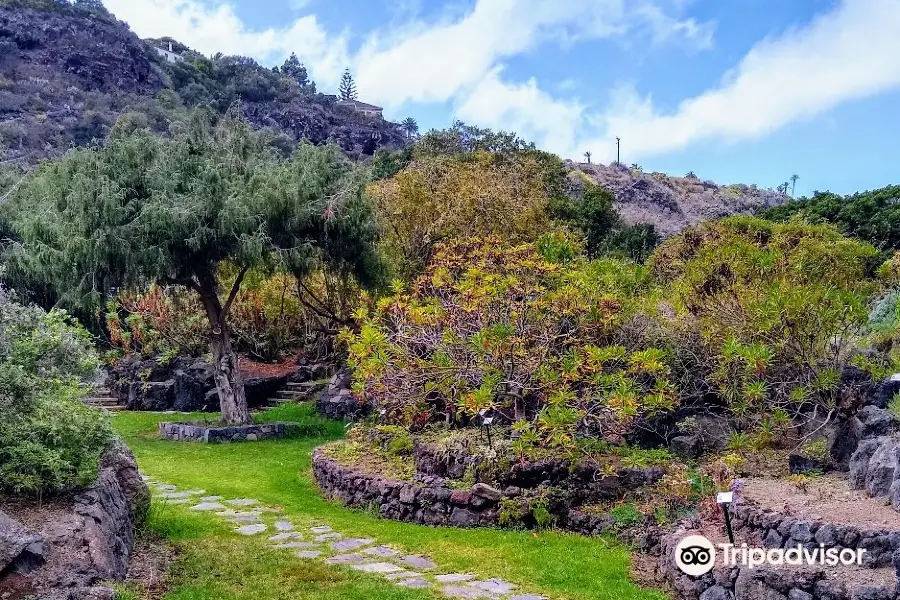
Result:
[381,551]
[417,561]
[466,592]
[242,502]
[346,559]
[494,585]
[208,506]
[288,535]
[321,529]
[309,554]
[351,544]
[251,529]
[328,536]
[284,526]
[210,498]
[378,567]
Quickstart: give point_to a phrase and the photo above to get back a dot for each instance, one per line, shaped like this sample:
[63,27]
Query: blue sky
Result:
[738,91]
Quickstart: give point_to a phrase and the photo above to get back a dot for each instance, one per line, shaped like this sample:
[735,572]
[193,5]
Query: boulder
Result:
[338,402]
[686,446]
[876,421]
[846,441]
[885,391]
[20,550]
[859,462]
[748,587]
[797,464]
[881,469]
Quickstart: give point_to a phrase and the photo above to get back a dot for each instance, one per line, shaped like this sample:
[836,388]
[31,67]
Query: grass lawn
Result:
[218,563]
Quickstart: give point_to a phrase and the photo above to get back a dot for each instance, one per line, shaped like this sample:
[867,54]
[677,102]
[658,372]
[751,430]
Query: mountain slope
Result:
[67,75]
[672,203]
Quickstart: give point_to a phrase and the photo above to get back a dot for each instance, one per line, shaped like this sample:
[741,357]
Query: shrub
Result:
[438,198]
[50,442]
[491,326]
[772,310]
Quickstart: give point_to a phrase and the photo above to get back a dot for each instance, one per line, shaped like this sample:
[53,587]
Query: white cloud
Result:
[440,61]
[849,53]
[299,5]
[219,29]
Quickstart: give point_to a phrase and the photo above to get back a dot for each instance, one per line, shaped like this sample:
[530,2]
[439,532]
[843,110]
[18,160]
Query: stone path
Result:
[335,548]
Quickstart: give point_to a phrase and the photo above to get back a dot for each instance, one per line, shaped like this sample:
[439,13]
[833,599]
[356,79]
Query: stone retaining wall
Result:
[198,432]
[773,530]
[84,546]
[430,501]
[779,531]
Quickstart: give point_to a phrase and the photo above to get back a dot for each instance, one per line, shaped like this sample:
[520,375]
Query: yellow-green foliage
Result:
[496,326]
[437,198]
[776,306]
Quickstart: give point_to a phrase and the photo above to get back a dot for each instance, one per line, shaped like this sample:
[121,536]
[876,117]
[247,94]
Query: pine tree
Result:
[145,209]
[348,87]
[294,69]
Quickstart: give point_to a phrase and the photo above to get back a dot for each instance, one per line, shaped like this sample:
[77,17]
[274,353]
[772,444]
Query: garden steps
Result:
[102,397]
[296,392]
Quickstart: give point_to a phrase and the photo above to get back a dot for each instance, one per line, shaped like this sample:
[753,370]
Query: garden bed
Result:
[217,432]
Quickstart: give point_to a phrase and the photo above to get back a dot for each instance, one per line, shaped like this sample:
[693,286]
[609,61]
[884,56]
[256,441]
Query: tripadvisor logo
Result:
[695,555]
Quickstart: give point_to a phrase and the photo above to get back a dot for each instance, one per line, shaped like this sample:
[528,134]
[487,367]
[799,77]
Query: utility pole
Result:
[618,151]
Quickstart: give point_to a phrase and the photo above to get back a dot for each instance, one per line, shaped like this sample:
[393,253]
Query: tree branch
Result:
[234,290]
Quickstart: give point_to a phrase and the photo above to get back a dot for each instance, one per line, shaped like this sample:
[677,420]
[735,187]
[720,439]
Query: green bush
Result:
[50,442]
[770,312]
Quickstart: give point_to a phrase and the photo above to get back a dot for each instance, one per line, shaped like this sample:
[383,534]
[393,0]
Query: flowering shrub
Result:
[267,320]
[529,334]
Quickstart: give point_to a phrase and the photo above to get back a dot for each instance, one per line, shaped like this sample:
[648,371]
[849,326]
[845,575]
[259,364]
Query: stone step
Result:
[293,395]
[306,385]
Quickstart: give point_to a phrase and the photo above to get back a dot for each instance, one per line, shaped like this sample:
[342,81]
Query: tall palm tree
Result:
[410,126]
[794,179]
[588,155]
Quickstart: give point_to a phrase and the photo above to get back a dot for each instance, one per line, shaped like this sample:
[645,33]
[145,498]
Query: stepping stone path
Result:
[360,554]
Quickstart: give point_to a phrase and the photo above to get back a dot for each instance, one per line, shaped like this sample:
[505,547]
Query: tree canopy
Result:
[145,209]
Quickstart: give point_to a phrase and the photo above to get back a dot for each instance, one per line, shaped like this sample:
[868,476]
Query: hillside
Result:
[67,75]
[673,203]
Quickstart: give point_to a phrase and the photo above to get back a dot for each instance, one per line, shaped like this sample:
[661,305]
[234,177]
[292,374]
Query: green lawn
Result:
[217,563]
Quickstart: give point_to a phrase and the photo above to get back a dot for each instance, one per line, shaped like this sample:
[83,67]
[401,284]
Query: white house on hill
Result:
[169,55]
[369,110]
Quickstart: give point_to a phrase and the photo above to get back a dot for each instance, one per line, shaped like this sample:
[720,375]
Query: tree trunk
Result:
[229,381]
[226,369]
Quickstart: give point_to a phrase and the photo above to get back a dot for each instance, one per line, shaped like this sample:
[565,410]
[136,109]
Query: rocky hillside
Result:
[672,203]
[67,75]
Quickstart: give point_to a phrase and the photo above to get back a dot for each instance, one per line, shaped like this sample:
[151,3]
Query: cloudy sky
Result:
[737,90]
